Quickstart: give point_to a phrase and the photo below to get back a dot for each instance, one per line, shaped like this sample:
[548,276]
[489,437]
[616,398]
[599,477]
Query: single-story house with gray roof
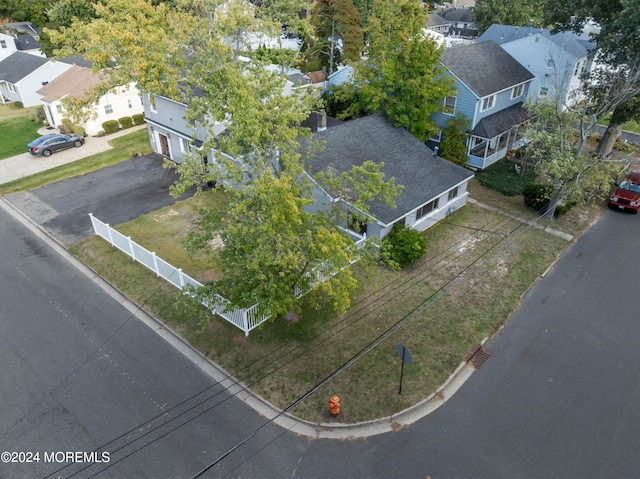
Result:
[433,187]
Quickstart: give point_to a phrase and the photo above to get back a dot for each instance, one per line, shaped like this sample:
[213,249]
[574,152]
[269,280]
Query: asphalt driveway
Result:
[115,194]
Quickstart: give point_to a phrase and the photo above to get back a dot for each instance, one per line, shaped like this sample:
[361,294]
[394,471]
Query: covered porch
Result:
[497,134]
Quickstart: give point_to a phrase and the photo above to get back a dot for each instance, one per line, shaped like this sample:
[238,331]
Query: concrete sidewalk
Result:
[26,164]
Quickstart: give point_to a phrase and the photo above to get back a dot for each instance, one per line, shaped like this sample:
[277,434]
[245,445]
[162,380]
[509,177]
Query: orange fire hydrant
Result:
[334,405]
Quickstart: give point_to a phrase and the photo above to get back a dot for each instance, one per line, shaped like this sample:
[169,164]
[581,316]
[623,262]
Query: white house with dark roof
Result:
[77,82]
[22,75]
[491,89]
[7,45]
[433,186]
[557,60]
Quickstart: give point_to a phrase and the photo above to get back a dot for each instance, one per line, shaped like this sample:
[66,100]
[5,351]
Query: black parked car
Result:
[47,144]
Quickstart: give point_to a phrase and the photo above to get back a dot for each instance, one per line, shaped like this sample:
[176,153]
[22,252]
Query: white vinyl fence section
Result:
[245,319]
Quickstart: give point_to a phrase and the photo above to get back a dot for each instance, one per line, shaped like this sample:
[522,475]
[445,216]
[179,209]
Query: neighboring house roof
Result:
[436,20]
[484,67]
[298,79]
[493,125]
[19,65]
[317,76]
[76,60]
[407,159]
[460,15]
[341,75]
[74,82]
[26,42]
[579,45]
[22,27]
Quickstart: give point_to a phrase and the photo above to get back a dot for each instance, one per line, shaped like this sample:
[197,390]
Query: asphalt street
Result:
[81,368]
[81,372]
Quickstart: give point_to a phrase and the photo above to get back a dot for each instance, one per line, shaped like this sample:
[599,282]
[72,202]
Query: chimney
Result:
[322,120]
[530,26]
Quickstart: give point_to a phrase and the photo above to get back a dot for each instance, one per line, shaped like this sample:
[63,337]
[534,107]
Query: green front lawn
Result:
[15,133]
[124,147]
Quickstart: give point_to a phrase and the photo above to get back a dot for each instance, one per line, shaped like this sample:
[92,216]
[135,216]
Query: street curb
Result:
[237,388]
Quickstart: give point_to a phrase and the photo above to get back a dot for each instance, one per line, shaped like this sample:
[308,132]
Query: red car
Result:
[627,193]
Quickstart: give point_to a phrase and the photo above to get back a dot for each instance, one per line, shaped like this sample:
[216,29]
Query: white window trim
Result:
[435,204]
[444,106]
[11,87]
[491,102]
[185,142]
[152,104]
[544,91]
[436,137]
[108,107]
[517,91]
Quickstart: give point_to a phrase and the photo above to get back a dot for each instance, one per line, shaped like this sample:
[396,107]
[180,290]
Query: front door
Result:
[164,145]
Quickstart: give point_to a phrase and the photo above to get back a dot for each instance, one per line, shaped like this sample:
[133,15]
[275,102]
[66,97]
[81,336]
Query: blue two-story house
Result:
[491,89]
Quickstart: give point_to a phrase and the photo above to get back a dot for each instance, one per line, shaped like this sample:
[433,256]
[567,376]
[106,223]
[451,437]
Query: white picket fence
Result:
[245,319]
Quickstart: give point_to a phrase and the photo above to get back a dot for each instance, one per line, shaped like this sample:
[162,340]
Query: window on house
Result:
[152,104]
[130,104]
[551,63]
[449,105]
[108,109]
[517,91]
[59,108]
[453,194]
[426,209]
[3,44]
[12,87]
[488,103]
[355,223]
[578,69]
[436,136]
[544,91]
[185,145]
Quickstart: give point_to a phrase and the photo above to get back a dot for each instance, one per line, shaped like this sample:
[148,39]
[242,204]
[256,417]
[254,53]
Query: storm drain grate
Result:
[478,356]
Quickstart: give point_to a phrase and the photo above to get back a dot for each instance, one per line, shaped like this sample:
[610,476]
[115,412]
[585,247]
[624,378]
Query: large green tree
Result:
[556,139]
[513,12]
[617,46]
[402,75]
[273,243]
[336,20]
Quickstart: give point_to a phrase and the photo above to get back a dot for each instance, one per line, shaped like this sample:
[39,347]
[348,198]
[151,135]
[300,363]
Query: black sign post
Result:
[405,358]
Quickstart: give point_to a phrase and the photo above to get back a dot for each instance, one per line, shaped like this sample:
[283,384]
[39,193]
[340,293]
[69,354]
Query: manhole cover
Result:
[478,357]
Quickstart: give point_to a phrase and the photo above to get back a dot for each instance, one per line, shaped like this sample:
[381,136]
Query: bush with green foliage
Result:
[503,177]
[454,144]
[110,126]
[125,122]
[78,130]
[537,196]
[138,118]
[17,104]
[39,115]
[402,246]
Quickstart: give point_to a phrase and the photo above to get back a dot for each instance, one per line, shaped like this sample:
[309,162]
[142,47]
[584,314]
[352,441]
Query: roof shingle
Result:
[484,67]
[408,160]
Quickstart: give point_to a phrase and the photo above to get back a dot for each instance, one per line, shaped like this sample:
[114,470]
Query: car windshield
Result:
[626,185]
[42,139]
